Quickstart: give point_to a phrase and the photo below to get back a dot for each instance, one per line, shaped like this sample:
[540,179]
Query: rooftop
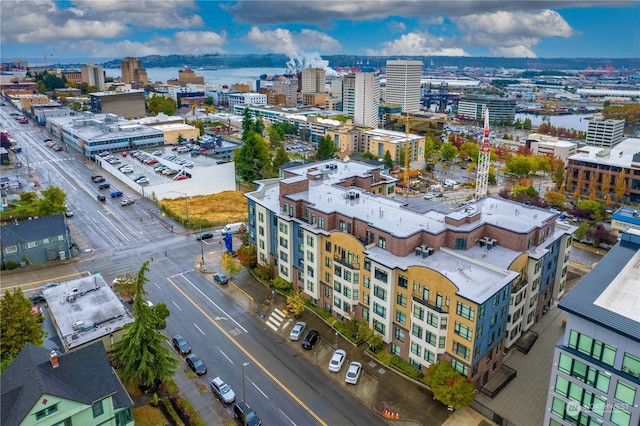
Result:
[94,127]
[626,214]
[620,155]
[608,295]
[85,309]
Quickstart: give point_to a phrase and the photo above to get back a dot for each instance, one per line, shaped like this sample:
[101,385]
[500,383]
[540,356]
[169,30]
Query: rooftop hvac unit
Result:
[427,252]
[77,325]
[418,251]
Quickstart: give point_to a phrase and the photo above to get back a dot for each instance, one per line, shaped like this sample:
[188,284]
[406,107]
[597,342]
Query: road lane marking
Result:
[113,226]
[61,278]
[290,421]
[259,390]
[225,355]
[214,303]
[176,305]
[248,355]
[199,329]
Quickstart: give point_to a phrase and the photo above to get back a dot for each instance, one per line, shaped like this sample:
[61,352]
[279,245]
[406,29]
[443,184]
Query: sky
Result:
[307,30]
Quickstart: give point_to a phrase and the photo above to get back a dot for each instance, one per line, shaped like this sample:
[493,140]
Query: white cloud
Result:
[419,43]
[397,27]
[513,52]
[200,42]
[291,44]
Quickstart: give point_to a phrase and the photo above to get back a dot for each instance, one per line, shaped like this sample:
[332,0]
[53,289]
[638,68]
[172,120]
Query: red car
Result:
[24,120]
[58,149]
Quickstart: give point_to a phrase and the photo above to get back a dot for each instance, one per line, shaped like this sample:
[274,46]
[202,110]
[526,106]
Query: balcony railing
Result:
[344,262]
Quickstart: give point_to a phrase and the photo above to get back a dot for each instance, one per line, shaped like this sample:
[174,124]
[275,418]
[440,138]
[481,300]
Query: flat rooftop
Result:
[85,309]
[620,155]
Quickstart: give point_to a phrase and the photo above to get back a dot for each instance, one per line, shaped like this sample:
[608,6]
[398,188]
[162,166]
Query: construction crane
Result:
[484,156]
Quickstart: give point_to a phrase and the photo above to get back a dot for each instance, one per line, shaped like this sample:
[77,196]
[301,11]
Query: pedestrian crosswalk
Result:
[275,319]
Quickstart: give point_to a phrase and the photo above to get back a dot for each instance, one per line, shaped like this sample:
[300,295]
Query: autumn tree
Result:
[295,303]
[448,385]
[606,188]
[141,352]
[578,190]
[471,150]
[276,136]
[18,325]
[230,264]
[429,148]
[248,256]
[555,199]
[621,185]
[52,201]
[520,165]
[558,175]
[448,151]
[593,188]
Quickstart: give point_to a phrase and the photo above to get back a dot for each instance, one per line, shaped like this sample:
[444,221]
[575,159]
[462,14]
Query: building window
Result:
[366,282]
[310,256]
[31,244]
[356,277]
[284,256]
[399,334]
[462,369]
[382,242]
[310,240]
[494,318]
[47,411]
[463,331]
[461,350]
[631,364]
[11,249]
[284,228]
[416,349]
[365,298]
[460,244]
[481,312]
[465,311]
[401,317]
[593,348]
[379,310]
[416,330]
[321,222]
[430,338]
[479,332]
[625,393]
[97,409]
[381,275]
[496,300]
[418,312]
[347,275]
[260,217]
[429,356]
[327,292]
[403,282]
[401,300]
[432,319]
[310,271]
[584,373]
[327,277]
[620,417]
[379,327]
[337,302]
[327,246]
[347,292]
[379,292]
[395,349]
[367,265]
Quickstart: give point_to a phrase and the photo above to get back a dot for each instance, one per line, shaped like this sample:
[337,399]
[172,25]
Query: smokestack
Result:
[53,357]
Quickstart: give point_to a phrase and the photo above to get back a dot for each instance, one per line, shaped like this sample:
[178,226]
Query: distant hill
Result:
[277,61]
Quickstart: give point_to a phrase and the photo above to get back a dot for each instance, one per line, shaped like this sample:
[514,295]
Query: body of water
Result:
[575,121]
[221,76]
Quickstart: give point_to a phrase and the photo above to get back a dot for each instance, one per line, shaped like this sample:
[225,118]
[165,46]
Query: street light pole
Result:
[244,398]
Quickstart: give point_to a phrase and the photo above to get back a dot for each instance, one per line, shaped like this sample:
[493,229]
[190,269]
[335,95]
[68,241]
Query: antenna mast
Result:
[484,157]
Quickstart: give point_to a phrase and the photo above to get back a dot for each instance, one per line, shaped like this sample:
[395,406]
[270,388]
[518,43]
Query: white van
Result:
[232,228]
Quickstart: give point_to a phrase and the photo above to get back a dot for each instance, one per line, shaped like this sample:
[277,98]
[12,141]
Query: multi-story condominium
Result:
[313,80]
[93,75]
[591,166]
[403,79]
[287,88]
[595,377]
[188,76]
[132,71]
[90,134]
[257,99]
[349,94]
[501,110]
[367,99]
[436,286]
[124,104]
[604,132]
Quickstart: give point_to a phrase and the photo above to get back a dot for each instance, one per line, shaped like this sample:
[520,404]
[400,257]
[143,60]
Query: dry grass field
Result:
[218,209]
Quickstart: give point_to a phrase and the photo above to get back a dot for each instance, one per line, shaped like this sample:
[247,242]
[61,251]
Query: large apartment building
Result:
[460,286]
[313,80]
[403,79]
[93,75]
[595,377]
[501,110]
[124,104]
[132,71]
[591,166]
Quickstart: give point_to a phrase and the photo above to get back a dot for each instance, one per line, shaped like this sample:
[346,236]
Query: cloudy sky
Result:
[86,29]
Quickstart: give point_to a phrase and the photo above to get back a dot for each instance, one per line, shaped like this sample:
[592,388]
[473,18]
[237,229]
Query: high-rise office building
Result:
[604,132]
[132,71]
[403,84]
[93,75]
[361,98]
[313,80]
[595,375]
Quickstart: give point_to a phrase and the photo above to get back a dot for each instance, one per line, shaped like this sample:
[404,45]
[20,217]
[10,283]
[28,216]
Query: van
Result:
[449,182]
[233,228]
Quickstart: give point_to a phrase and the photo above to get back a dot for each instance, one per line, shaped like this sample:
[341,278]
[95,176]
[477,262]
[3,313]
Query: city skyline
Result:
[304,31]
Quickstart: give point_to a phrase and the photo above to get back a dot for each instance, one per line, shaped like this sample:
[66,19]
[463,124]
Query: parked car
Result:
[310,339]
[115,194]
[337,359]
[101,198]
[181,344]
[353,373]
[297,330]
[220,278]
[196,364]
[68,213]
[37,298]
[99,179]
[204,236]
[50,285]
[222,391]
[245,414]
[104,185]
[126,202]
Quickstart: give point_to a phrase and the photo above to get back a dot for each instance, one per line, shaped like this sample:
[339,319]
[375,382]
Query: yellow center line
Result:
[54,279]
[255,361]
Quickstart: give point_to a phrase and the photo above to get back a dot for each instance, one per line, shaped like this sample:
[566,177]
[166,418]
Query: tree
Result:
[600,235]
[230,264]
[578,190]
[448,151]
[555,199]
[252,159]
[125,284]
[621,185]
[429,148]
[141,351]
[448,385]
[388,161]
[296,303]
[247,124]
[18,325]
[275,137]
[520,165]
[52,202]
[281,158]
[589,209]
[160,104]
[606,187]
[581,232]
[593,188]
[326,148]
[558,176]
[471,149]
[247,255]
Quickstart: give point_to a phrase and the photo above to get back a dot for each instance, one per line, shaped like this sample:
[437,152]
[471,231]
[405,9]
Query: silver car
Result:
[222,391]
[353,373]
[338,358]
[297,330]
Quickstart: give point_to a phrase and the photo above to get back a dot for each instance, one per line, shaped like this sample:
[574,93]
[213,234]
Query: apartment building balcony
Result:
[439,309]
[519,286]
[345,262]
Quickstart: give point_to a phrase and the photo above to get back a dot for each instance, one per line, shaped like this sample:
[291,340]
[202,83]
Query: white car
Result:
[297,330]
[353,373]
[335,365]
[222,391]
[429,196]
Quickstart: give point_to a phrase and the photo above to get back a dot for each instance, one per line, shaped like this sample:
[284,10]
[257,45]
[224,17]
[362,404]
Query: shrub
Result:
[281,284]
[406,368]
[154,400]
[11,265]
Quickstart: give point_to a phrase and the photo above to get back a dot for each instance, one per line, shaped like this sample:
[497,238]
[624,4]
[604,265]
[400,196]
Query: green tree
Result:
[296,303]
[581,232]
[209,101]
[281,158]
[448,385]
[388,161]
[252,159]
[448,151]
[520,165]
[18,325]
[429,148]
[472,149]
[258,126]
[555,199]
[125,284]
[161,104]
[141,351]
[275,137]
[52,201]
[326,148]
[526,125]
[596,207]
[230,265]
[247,124]
[558,176]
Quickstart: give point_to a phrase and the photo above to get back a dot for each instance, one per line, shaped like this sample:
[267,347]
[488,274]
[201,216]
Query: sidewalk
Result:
[397,399]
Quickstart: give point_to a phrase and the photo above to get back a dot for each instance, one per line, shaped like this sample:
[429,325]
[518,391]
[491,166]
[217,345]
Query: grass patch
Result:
[208,210]
[147,415]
